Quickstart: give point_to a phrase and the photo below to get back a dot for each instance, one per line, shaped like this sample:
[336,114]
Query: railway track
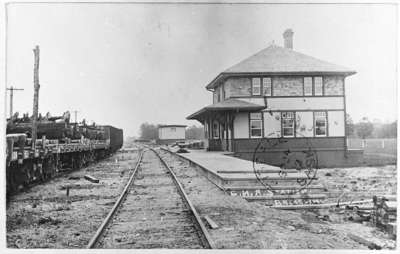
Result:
[153,211]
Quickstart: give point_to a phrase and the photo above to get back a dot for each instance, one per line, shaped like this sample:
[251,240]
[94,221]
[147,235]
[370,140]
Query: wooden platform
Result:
[261,182]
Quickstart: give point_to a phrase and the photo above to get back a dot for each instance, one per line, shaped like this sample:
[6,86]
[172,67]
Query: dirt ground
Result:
[36,218]
[359,183]
[44,217]
[252,225]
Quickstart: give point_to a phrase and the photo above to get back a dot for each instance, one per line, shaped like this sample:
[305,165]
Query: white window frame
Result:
[267,86]
[284,116]
[315,86]
[252,118]
[318,117]
[304,86]
[253,85]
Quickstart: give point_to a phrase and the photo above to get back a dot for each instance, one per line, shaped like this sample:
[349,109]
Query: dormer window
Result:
[267,86]
[256,86]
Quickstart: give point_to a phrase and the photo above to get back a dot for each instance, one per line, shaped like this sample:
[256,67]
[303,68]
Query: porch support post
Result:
[210,127]
[232,118]
[227,130]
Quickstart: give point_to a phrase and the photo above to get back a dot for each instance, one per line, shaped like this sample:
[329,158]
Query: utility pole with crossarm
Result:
[12,89]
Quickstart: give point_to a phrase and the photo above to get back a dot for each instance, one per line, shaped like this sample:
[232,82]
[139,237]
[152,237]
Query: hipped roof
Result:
[279,60]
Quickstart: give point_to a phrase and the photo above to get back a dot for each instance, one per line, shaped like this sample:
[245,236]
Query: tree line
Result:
[150,131]
[367,129]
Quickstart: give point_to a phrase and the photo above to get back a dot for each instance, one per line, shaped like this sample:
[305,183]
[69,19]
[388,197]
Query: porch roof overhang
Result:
[230,105]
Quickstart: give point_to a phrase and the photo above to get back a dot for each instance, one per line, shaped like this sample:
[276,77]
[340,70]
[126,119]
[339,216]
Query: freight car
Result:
[27,163]
[115,135]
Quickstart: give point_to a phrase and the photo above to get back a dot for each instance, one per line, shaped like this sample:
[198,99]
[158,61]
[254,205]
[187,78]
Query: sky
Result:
[125,64]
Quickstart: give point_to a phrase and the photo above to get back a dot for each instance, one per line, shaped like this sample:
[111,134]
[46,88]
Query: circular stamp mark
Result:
[300,166]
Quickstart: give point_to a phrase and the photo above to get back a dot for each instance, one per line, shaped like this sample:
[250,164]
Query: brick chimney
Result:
[288,38]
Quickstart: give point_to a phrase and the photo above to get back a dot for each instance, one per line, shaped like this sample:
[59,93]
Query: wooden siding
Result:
[326,158]
[305,103]
[336,126]
[287,86]
[237,87]
[249,145]
[241,125]
[333,85]
[305,124]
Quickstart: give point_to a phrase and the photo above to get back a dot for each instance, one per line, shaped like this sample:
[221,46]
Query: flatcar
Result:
[59,146]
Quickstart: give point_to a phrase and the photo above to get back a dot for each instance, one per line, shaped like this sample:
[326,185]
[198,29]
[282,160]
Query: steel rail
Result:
[207,238]
[100,230]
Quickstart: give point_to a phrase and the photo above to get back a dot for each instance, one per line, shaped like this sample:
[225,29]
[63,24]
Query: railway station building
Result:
[168,134]
[283,99]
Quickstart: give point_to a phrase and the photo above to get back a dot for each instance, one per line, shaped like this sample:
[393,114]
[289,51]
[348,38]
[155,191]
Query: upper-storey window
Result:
[256,125]
[267,86]
[318,86]
[256,86]
[308,87]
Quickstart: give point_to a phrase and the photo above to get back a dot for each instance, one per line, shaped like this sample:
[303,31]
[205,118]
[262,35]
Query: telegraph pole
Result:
[12,89]
[36,52]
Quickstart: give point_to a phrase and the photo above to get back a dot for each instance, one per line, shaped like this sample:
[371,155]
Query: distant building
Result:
[279,94]
[168,134]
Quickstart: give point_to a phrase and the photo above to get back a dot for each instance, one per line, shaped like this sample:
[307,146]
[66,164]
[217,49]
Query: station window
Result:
[255,125]
[215,130]
[173,129]
[267,86]
[318,90]
[320,123]
[256,86]
[288,124]
[308,86]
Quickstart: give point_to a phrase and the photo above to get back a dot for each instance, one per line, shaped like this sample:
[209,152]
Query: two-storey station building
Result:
[278,94]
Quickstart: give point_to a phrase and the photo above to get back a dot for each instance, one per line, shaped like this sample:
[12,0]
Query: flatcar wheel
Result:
[24,174]
[49,167]
[52,166]
[80,161]
[84,159]
[40,171]
[11,184]
[73,162]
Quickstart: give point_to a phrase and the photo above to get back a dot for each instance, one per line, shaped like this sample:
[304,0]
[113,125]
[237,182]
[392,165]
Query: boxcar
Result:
[116,137]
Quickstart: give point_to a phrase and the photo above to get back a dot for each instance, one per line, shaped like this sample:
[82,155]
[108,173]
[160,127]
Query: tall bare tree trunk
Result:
[36,52]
